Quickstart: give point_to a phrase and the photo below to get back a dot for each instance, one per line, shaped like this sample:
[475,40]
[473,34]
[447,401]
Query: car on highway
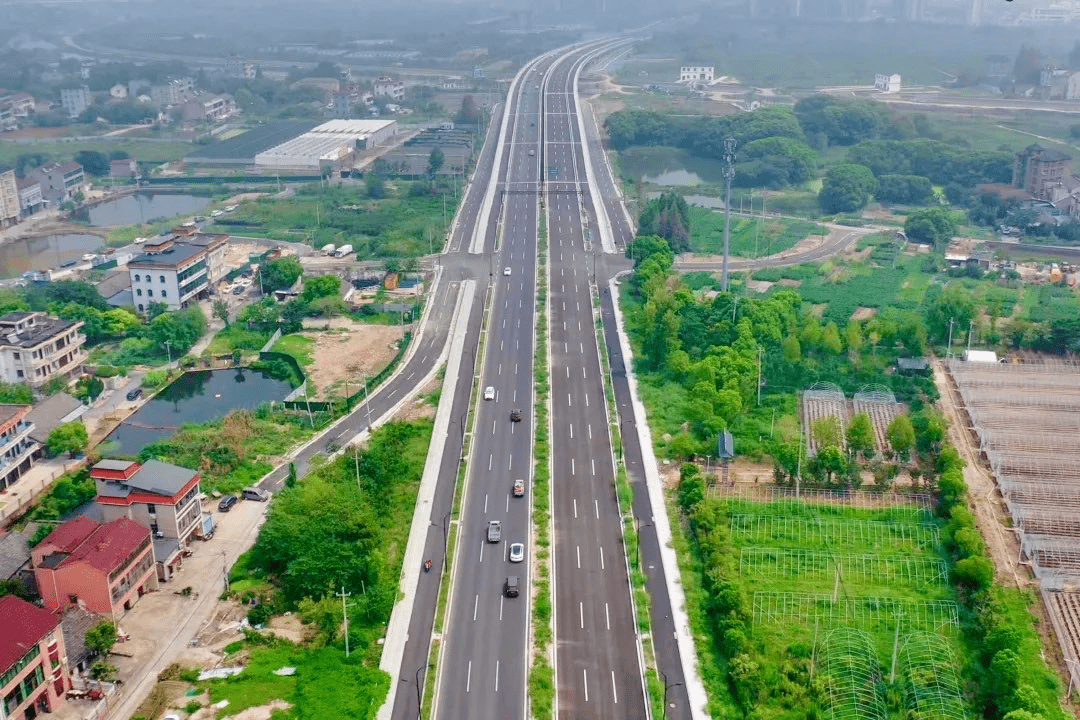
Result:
[512,586]
[532,153]
[494,531]
[517,552]
[519,488]
[515,415]
[489,393]
[226,503]
[134,394]
[506,271]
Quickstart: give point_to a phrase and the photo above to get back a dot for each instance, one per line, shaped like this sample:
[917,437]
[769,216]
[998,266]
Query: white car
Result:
[489,393]
[506,271]
[517,552]
[215,213]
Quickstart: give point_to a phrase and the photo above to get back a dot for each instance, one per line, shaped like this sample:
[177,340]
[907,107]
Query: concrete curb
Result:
[607,240]
[695,689]
[397,628]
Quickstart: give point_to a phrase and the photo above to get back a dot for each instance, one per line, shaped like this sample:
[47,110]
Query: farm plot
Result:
[1026,418]
[879,403]
[865,589]
[820,401]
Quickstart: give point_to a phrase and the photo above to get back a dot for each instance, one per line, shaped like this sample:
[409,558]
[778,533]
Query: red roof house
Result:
[33,662]
[104,568]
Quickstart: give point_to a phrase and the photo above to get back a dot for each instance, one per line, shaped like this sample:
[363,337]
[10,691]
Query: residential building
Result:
[123,168]
[118,91]
[208,108]
[35,348]
[1039,170]
[237,67]
[171,271]
[696,73]
[20,104]
[51,413]
[17,448]
[33,660]
[105,568]
[30,199]
[390,88]
[9,199]
[75,100]
[1072,86]
[75,622]
[161,497]
[1054,82]
[59,181]
[887,83]
[216,247]
[173,92]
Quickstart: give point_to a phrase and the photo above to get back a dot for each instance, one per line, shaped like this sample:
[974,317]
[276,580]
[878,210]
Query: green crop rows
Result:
[858,590]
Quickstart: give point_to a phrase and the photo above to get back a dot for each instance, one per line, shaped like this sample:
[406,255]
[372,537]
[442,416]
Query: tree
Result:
[829,463]
[280,273]
[846,188]
[827,432]
[175,332]
[976,573]
[101,638]
[375,186]
[901,436]
[435,161]
[221,311]
[102,671]
[69,437]
[469,114]
[321,286]
[1028,66]
[668,216]
[93,162]
[860,436]
[644,247]
[933,226]
[906,189]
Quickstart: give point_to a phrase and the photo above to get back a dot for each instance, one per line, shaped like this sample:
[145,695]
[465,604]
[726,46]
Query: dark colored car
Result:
[515,415]
[134,394]
[226,502]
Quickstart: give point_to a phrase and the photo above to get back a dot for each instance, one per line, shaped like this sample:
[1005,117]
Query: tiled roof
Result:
[22,626]
[71,534]
[14,553]
[110,545]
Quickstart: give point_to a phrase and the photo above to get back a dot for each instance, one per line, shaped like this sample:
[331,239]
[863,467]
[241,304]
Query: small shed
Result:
[980,356]
[912,365]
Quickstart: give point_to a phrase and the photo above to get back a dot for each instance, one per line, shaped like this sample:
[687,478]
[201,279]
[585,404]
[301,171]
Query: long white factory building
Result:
[330,142]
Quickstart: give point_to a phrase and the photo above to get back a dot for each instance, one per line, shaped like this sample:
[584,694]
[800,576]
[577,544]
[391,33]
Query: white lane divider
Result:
[476,604]
[601,558]
[468,677]
[581,613]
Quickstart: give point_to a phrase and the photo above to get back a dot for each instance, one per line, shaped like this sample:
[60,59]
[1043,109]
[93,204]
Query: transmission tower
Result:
[729,173]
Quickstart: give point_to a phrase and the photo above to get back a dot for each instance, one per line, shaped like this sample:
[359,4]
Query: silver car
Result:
[517,552]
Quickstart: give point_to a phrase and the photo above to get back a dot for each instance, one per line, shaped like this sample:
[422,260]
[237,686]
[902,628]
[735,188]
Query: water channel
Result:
[194,397]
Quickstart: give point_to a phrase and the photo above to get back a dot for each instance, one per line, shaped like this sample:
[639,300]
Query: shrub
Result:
[976,573]
[155,378]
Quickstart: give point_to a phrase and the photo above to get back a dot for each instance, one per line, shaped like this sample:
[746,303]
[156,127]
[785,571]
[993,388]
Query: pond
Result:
[48,251]
[142,207]
[194,397]
[669,167]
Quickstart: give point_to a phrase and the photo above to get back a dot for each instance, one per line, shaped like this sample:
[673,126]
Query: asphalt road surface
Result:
[597,666]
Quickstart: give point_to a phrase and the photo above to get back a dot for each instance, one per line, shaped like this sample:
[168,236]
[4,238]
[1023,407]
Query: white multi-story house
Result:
[173,92]
[75,100]
[9,199]
[158,496]
[59,182]
[887,83]
[696,73]
[17,448]
[35,348]
[30,198]
[389,87]
[176,269]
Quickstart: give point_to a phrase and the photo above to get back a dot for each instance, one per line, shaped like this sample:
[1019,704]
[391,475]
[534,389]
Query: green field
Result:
[750,237]
[144,151]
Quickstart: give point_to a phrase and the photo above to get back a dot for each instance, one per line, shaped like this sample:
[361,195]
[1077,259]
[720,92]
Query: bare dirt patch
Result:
[261,712]
[788,282]
[863,313]
[349,351]
[421,407]
[289,627]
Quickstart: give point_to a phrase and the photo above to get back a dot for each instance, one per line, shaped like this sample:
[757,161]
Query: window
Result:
[164,293]
[161,278]
[138,291]
[16,355]
[149,293]
[136,277]
[151,508]
[18,373]
[140,307]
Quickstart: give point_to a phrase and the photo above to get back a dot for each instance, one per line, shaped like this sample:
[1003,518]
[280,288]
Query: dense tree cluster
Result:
[846,188]
[939,162]
[668,217]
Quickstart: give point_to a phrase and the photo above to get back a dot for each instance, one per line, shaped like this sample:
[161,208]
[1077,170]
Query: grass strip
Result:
[541,673]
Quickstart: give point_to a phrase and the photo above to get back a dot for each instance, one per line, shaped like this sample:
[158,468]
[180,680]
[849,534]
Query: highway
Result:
[598,668]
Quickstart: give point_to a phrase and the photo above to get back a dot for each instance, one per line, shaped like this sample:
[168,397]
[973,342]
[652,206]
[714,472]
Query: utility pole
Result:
[729,173]
[168,351]
[759,351]
[971,326]
[345,613]
[948,350]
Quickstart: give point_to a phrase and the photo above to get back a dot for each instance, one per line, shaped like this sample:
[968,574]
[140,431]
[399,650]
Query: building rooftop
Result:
[153,477]
[41,328]
[1045,154]
[175,256]
[22,626]
[9,414]
[104,547]
[51,412]
[14,553]
[74,623]
[67,537]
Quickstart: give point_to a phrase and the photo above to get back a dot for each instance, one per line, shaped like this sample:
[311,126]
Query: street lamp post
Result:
[168,351]
[729,174]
